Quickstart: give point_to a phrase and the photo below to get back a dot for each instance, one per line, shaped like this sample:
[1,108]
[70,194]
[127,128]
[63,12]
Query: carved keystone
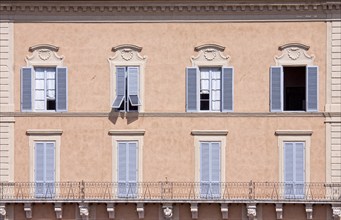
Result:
[251,211]
[167,210]
[84,211]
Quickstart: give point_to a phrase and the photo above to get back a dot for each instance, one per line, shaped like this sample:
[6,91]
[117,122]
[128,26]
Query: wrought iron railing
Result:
[169,191]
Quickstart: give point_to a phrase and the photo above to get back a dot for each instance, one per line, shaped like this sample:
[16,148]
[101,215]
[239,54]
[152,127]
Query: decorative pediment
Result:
[44,55]
[294,54]
[127,53]
[210,55]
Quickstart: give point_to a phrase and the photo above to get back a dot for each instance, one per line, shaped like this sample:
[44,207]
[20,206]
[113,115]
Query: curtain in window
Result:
[216,89]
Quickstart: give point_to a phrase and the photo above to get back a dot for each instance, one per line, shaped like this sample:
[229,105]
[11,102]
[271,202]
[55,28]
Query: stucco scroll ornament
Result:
[210,54]
[44,54]
[294,53]
[337,212]
[127,54]
[168,212]
[251,213]
[84,211]
[2,211]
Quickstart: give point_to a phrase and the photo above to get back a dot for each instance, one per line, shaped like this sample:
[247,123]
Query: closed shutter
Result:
[120,87]
[204,169]
[227,92]
[289,169]
[192,89]
[122,169]
[62,83]
[276,88]
[215,169]
[26,88]
[39,172]
[132,169]
[133,86]
[50,169]
[299,170]
[312,88]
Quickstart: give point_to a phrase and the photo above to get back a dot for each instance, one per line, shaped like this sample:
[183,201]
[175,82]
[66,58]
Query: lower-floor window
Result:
[44,170]
[127,168]
[209,169]
[294,169]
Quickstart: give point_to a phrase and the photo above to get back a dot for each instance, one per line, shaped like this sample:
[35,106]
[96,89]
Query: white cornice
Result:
[209,132]
[44,132]
[126,132]
[294,132]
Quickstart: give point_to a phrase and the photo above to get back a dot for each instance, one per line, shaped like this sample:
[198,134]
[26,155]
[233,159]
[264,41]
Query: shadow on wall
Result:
[130,116]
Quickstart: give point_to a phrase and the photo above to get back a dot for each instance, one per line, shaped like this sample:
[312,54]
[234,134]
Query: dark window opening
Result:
[204,101]
[294,88]
[51,104]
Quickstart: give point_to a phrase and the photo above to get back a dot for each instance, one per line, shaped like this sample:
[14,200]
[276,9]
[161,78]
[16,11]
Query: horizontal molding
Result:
[136,115]
[44,132]
[126,132]
[210,132]
[294,132]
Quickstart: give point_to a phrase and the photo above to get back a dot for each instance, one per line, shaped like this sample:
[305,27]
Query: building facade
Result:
[170,110]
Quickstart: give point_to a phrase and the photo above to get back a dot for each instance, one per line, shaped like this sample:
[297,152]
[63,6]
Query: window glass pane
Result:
[39,95]
[215,105]
[39,105]
[40,74]
[40,84]
[50,74]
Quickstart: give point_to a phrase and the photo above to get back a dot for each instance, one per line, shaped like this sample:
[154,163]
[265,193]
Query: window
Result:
[294,88]
[44,81]
[127,168]
[44,171]
[127,89]
[209,169]
[294,169]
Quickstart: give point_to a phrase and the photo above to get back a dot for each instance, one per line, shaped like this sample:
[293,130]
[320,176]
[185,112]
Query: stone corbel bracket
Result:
[210,55]
[251,211]
[279,211]
[28,210]
[167,210]
[309,211]
[44,55]
[336,212]
[2,210]
[58,208]
[224,207]
[84,211]
[294,54]
[194,210]
[111,210]
[140,210]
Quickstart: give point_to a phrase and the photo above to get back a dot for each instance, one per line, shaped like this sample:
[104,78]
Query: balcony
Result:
[169,192]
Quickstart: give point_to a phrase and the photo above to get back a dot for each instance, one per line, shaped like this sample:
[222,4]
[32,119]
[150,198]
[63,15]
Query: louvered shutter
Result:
[312,88]
[289,169]
[122,169]
[192,89]
[276,88]
[132,169]
[227,89]
[120,87]
[299,169]
[204,169]
[39,172]
[133,86]
[49,169]
[61,83]
[26,88]
[215,169]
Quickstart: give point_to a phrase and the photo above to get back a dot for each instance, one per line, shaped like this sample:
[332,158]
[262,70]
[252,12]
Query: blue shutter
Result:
[289,169]
[312,88]
[39,171]
[204,169]
[276,88]
[227,89]
[26,88]
[133,86]
[49,169]
[192,89]
[299,170]
[215,169]
[122,169]
[132,169]
[120,87]
[61,89]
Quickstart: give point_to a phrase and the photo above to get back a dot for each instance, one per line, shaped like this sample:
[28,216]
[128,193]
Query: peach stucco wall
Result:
[168,46]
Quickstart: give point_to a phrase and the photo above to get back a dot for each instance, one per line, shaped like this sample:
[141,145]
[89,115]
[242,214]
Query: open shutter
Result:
[122,169]
[132,169]
[192,89]
[204,169]
[49,169]
[61,82]
[312,88]
[26,88]
[276,88]
[39,169]
[289,169]
[133,86]
[227,90]
[215,169]
[120,87]
[299,170]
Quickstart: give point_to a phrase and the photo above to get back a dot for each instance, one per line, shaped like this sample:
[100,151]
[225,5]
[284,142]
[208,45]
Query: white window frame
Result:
[127,55]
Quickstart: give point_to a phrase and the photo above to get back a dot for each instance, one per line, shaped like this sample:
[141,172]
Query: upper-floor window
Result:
[127,78]
[209,83]
[44,81]
[294,81]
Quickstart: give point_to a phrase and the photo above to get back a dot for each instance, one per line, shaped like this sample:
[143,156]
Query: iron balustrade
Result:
[168,191]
